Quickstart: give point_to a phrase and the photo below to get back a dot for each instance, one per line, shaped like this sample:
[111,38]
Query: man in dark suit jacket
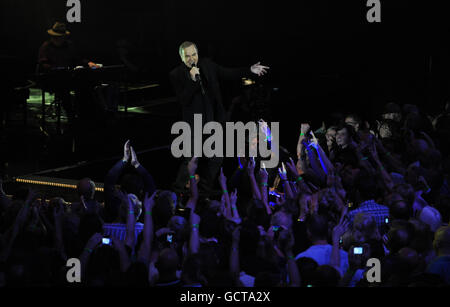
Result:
[196,84]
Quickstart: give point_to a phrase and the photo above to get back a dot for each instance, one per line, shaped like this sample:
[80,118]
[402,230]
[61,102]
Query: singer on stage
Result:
[196,84]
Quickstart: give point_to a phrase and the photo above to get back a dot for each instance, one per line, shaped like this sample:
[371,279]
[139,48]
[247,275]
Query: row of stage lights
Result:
[53,184]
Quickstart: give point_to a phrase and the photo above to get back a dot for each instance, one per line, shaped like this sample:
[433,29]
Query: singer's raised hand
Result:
[259,69]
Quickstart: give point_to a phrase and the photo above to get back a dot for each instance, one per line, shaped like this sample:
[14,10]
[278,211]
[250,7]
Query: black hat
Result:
[58,29]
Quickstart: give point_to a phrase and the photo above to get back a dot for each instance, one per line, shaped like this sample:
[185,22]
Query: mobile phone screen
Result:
[357,250]
[169,238]
[106,241]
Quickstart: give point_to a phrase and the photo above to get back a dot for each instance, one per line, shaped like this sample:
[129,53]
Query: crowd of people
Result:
[356,190]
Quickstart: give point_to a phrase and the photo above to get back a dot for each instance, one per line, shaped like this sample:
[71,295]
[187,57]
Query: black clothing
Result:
[52,56]
[112,201]
[210,105]
[189,93]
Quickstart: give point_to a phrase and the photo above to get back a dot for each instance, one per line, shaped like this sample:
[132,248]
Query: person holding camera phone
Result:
[357,259]
[321,250]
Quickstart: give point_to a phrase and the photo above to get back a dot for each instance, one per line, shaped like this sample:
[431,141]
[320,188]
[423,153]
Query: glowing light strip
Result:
[53,184]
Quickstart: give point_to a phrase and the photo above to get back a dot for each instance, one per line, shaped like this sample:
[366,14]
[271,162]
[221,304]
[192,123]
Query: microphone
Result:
[199,79]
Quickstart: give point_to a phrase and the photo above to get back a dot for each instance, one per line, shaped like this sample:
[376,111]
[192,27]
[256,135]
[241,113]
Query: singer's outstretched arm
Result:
[231,73]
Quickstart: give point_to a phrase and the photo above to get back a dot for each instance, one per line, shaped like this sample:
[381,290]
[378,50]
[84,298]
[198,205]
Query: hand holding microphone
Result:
[195,72]
[195,75]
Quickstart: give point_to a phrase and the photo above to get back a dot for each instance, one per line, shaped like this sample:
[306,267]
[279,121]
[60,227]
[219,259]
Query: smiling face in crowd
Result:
[342,137]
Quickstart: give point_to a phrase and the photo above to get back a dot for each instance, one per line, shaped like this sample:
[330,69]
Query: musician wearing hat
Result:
[58,51]
[59,54]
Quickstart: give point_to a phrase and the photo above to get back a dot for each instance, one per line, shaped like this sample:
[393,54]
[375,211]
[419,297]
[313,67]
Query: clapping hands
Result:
[126,151]
[134,160]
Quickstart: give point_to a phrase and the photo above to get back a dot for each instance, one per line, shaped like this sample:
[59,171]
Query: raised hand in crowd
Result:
[338,231]
[134,160]
[126,151]
[192,167]
[282,172]
[194,240]
[251,174]
[94,241]
[287,241]
[235,212]
[145,249]
[124,257]
[264,187]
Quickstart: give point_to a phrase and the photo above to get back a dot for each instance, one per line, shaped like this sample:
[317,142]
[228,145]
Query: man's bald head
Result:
[86,188]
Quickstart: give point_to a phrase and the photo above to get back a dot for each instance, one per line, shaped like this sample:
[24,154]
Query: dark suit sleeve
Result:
[231,73]
[149,183]
[111,202]
[184,88]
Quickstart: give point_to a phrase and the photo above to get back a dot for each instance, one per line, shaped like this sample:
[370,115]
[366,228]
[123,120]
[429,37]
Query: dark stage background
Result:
[327,49]
[324,55]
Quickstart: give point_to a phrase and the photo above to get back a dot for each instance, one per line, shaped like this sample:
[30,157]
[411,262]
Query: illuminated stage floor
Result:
[50,157]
